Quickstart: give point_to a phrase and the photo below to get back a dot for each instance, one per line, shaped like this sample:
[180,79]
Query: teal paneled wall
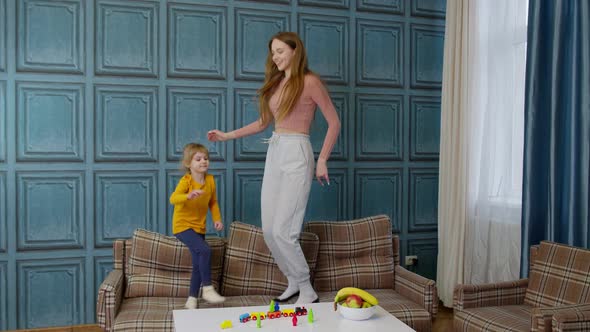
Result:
[98,97]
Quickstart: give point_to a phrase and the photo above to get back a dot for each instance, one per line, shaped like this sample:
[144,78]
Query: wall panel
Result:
[50,119]
[251,51]
[126,127]
[380,53]
[126,38]
[326,41]
[3,137]
[2,35]
[98,99]
[424,127]
[51,36]
[426,62]
[51,292]
[381,6]
[117,193]
[246,111]
[423,200]
[328,202]
[379,127]
[50,210]
[3,213]
[197,41]
[379,191]
[3,296]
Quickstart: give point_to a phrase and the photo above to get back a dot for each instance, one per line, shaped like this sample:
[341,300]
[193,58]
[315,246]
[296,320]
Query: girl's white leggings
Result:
[288,174]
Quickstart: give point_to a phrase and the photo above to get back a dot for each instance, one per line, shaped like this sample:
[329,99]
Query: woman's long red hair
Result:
[272,77]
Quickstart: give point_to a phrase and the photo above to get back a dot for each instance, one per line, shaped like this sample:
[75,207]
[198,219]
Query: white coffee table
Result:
[325,320]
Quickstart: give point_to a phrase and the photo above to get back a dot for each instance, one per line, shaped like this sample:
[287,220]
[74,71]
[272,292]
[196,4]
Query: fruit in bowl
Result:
[354,301]
[355,304]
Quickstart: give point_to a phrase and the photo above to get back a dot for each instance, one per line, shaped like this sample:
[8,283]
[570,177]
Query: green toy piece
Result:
[258,320]
[271,307]
[310,316]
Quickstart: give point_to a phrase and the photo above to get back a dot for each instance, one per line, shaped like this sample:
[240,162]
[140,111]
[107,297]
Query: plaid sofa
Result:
[555,297]
[151,273]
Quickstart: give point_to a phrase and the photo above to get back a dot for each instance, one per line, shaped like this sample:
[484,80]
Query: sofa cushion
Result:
[160,265]
[503,318]
[249,268]
[355,253]
[559,276]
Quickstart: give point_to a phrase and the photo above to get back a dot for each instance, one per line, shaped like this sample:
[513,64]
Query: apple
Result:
[354,301]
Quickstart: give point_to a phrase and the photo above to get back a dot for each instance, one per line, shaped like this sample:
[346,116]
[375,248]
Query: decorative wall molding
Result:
[251,50]
[380,51]
[379,127]
[192,112]
[50,213]
[197,41]
[126,123]
[423,195]
[126,38]
[116,193]
[50,121]
[51,36]
[50,292]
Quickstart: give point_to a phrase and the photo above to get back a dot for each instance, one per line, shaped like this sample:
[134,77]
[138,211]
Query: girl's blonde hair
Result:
[272,77]
[188,152]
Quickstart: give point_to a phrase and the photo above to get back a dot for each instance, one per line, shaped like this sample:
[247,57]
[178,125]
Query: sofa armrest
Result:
[489,295]
[573,317]
[416,288]
[110,294]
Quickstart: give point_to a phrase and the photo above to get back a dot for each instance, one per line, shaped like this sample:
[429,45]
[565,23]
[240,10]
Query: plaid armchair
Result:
[364,253]
[555,297]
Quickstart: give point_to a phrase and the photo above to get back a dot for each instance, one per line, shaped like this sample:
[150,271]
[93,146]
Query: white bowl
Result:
[356,313]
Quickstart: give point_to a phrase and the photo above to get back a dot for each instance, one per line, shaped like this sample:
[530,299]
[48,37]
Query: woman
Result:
[289,97]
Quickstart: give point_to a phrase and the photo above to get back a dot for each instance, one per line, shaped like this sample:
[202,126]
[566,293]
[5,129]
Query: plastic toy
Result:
[272,306]
[300,311]
[244,317]
[310,316]
[226,324]
[294,320]
[258,319]
[273,314]
[258,316]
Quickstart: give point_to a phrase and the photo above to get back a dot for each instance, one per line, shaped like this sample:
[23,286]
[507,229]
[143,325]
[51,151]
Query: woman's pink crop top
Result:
[299,120]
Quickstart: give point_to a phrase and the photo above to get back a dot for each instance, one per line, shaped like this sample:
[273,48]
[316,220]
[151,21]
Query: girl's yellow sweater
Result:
[193,213]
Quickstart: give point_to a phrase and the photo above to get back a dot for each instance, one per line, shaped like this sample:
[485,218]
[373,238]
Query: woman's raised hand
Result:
[217,135]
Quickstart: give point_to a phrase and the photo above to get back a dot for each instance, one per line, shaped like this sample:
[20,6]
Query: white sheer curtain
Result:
[496,128]
[481,143]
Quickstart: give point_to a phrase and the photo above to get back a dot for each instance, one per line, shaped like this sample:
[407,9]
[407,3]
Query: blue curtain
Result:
[556,179]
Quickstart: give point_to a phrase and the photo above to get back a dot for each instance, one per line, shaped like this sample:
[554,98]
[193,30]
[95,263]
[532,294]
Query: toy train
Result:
[298,311]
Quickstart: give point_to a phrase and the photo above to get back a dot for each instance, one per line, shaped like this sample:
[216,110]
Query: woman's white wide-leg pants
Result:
[288,174]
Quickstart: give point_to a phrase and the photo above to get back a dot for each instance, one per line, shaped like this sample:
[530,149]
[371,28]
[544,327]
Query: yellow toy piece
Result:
[255,315]
[288,312]
[226,324]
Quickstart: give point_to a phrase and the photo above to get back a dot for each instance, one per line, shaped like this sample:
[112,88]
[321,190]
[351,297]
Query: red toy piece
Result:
[294,320]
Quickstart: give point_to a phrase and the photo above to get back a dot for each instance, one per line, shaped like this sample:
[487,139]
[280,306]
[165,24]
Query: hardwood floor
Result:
[442,323]
[444,319]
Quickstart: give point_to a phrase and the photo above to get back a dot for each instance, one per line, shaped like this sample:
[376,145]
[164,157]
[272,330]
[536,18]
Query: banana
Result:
[346,291]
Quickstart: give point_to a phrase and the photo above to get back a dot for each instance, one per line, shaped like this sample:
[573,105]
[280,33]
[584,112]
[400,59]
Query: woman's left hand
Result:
[218,225]
[321,171]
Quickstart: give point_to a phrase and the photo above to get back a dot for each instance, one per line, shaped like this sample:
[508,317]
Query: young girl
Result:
[289,97]
[194,195]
